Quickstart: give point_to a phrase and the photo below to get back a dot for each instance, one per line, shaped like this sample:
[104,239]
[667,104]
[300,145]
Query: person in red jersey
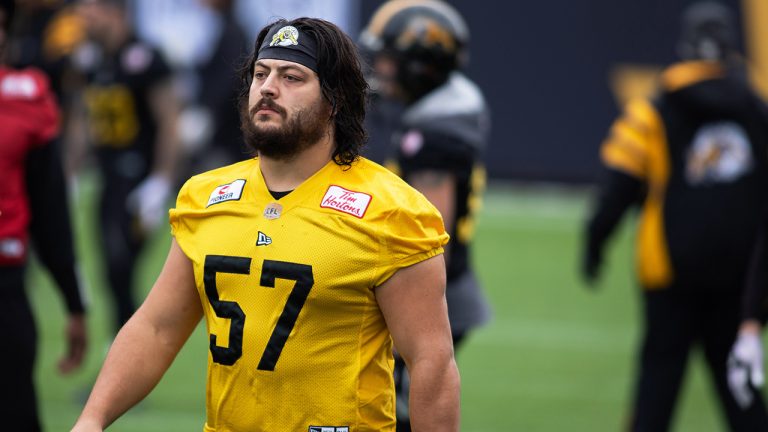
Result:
[33,210]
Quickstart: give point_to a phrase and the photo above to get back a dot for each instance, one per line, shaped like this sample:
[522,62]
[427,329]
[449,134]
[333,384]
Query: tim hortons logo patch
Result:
[228,192]
[346,201]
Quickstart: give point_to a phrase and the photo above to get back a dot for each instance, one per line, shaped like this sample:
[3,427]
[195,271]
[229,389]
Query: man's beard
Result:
[302,130]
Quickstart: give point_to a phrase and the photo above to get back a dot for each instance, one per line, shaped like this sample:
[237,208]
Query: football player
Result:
[307,262]
[695,157]
[130,108]
[418,49]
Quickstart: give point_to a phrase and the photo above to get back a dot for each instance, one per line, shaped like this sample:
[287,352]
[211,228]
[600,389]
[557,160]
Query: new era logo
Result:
[329,429]
[263,239]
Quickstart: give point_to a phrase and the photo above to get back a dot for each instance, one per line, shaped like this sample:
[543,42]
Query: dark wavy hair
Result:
[342,83]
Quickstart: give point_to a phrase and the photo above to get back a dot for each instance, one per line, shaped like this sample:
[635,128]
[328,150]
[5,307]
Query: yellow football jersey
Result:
[297,340]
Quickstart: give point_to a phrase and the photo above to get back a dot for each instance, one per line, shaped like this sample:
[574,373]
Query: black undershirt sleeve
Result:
[50,224]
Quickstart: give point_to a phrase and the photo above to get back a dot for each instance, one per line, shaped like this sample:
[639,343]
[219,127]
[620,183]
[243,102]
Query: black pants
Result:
[18,409]
[121,242]
[676,319]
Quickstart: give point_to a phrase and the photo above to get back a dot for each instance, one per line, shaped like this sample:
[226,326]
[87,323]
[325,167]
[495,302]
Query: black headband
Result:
[284,42]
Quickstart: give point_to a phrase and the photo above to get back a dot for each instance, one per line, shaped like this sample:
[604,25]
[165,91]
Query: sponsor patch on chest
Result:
[346,201]
[228,192]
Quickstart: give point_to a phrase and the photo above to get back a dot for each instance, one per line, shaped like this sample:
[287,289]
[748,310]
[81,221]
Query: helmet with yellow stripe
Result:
[426,38]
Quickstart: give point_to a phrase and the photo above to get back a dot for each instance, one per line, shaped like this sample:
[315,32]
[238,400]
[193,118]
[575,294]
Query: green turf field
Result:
[556,357]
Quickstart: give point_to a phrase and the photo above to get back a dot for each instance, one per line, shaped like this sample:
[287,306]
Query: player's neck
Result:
[288,174]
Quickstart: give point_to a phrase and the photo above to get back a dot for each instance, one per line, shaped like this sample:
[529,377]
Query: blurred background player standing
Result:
[217,87]
[130,110]
[33,205]
[694,157]
[418,49]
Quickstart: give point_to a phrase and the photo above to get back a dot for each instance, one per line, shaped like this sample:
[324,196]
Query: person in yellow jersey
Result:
[308,263]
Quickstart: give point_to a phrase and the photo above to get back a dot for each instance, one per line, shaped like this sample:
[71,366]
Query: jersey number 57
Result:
[301,273]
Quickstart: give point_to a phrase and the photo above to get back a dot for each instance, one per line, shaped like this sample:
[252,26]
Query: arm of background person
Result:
[413,304]
[165,107]
[51,231]
[628,154]
[746,372]
[149,199]
[439,187]
[75,137]
[618,192]
[755,299]
[146,346]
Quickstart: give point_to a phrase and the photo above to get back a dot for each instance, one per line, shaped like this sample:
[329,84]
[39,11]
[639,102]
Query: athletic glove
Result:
[745,368]
[148,201]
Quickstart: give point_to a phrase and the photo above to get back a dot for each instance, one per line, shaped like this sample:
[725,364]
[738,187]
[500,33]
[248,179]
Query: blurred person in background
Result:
[418,49]
[33,206]
[307,261]
[694,159]
[204,44]
[253,15]
[746,368]
[45,34]
[213,114]
[130,111]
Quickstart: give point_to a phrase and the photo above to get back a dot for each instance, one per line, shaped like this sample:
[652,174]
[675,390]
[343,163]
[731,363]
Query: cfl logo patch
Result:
[328,429]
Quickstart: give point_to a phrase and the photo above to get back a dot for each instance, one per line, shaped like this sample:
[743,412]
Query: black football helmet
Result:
[708,32]
[427,38]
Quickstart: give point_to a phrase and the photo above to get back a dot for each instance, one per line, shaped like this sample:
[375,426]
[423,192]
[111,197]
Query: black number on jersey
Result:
[302,274]
[225,309]
[271,270]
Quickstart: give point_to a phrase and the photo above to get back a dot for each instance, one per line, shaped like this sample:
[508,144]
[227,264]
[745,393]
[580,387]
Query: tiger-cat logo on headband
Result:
[286,36]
